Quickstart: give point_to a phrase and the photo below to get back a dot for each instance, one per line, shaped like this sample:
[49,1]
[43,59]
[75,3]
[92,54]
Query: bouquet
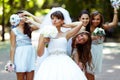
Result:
[49,31]
[14,19]
[10,67]
[115,3]
[99,32]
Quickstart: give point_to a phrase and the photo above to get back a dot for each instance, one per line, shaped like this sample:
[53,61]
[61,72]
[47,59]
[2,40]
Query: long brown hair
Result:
[27,28]
[95,13]
[84,50]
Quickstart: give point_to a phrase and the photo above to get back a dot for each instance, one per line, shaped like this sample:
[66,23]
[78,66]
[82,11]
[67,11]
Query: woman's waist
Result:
[98,41]
[57,51]
[23,44]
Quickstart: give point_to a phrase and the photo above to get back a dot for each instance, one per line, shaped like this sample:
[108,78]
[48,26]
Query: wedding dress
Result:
[58,65]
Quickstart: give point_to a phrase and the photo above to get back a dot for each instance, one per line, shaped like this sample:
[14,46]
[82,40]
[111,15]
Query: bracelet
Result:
[116,13]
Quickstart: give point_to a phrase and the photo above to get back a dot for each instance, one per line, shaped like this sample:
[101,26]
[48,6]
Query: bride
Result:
[58,65]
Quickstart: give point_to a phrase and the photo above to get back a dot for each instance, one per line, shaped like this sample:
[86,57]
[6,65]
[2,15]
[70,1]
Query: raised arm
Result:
[33,24]
[71,25]
[114,21]
[74,30]
[31,15]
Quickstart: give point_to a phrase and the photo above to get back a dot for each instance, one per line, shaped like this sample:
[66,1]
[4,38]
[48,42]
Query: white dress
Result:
[59,66]
[24,58]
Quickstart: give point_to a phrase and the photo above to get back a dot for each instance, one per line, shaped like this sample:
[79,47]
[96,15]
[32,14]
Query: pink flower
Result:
[10,67]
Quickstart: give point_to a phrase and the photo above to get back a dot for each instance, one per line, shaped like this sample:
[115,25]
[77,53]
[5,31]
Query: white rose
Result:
[49,31]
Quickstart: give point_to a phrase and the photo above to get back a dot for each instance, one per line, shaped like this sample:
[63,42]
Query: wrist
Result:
[115,12]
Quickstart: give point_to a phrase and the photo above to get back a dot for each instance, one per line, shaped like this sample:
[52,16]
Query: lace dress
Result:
[24,58]
[59,66]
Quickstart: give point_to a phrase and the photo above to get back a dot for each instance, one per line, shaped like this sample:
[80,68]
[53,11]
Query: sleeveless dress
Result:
[58,65]
[24,58]
[97,55]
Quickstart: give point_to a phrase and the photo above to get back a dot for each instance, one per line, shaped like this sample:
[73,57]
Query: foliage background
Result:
[42,7]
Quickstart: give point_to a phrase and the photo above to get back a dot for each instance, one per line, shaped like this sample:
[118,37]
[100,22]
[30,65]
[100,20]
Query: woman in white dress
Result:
[58,65]
[47,21]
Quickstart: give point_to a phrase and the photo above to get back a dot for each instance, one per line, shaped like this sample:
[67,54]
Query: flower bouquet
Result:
[99,32]
[115,3]
[10,67]
[49,31]
[14,19]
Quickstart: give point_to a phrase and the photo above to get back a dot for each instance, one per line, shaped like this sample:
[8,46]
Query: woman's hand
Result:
[97,37]
[26,13]
[28,20]
[80,64]
[46,40]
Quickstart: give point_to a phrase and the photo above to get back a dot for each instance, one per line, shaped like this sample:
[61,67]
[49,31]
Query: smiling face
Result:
[85,19]
[84,16]
[81,39]
[96,20]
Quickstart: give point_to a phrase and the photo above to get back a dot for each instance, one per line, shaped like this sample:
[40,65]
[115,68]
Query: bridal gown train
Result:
[58,65]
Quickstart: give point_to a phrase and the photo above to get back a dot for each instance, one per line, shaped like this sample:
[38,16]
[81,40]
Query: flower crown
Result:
[14,19]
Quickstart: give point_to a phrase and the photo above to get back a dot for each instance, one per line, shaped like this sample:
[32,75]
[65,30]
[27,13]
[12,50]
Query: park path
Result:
[111,63]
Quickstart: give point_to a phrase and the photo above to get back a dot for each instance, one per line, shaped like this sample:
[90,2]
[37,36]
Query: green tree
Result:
[41,7]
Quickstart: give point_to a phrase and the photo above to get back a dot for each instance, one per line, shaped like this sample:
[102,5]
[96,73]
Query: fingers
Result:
[25,13]
[46,40]
[28,20]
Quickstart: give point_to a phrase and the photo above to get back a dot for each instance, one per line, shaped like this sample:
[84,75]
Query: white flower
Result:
[115,3]
[10,67]
[99,32]
[49,31]
[15,19]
